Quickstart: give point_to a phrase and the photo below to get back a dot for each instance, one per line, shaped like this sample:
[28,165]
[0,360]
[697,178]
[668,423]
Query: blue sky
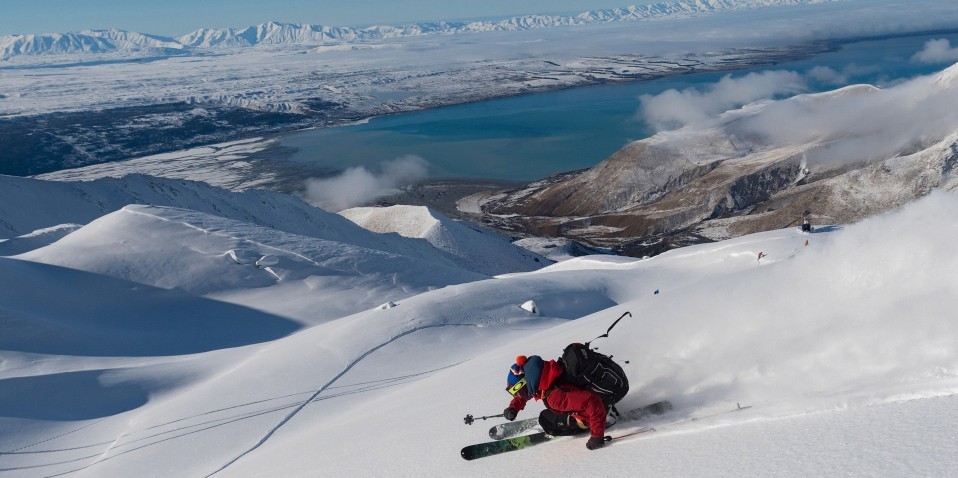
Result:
[177,17]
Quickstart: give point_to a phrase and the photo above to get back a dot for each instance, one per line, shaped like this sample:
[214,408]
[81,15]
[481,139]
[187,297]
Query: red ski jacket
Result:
[582,404]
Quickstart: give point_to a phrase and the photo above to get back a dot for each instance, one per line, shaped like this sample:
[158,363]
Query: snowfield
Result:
[226,165]
[311,69]
[156,340]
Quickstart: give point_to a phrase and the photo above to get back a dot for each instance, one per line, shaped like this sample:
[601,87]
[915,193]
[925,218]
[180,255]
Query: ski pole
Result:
[469,418]
[626,435]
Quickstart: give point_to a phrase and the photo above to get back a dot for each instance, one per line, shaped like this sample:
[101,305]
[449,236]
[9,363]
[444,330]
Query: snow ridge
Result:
[473,248]
[82,202]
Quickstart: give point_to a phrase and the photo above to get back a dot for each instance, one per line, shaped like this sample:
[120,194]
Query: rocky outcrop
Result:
[620,202]
[730,179]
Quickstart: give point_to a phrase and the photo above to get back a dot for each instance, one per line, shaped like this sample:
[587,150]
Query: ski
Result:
[510,429]
[496,447]
[482,450]
[657,408]
[738,408]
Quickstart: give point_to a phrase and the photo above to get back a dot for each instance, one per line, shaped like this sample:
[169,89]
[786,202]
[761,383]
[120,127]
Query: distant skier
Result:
[569,409]
[806,226]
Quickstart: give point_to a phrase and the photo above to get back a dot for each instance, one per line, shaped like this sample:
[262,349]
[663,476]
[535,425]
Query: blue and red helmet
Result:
[516,380]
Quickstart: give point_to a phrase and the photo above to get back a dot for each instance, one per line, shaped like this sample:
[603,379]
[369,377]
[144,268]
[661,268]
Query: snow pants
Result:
[560,424]
[581,404]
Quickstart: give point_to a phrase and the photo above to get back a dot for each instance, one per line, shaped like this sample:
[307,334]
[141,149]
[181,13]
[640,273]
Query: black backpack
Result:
[588,369]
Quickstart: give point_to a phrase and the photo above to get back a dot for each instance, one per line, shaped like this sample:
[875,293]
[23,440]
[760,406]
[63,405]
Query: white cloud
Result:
[860,123]
[936,51]
[674,108]
[853,124]
[828,75]
[358,185]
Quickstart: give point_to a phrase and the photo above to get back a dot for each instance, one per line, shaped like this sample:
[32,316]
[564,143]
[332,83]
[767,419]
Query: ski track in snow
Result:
[20,450]
[230,236]
[316,394]
[227,420]
[286,404]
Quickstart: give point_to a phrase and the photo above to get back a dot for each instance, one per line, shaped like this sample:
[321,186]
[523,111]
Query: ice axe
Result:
[469,418]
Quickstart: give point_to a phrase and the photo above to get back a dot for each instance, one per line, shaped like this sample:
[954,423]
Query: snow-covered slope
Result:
[238,262]
[557,248]
[477,249]
[71,312]
[25,219]
[226,165]
[25,210]
[840,339]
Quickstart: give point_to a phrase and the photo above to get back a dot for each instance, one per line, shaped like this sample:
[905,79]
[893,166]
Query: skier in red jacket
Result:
[569,409]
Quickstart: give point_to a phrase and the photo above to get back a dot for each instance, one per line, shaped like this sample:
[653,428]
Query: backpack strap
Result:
[606,334]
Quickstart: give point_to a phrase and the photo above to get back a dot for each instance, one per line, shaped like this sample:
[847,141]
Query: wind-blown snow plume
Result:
[873,122]
[831,322]
[358,185]
[675,108]
[936,51]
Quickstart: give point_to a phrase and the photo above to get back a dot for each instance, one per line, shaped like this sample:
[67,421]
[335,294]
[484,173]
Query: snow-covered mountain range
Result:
[88,41]
[273,33]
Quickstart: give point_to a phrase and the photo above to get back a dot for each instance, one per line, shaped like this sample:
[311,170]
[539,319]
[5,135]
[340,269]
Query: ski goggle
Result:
[514,390]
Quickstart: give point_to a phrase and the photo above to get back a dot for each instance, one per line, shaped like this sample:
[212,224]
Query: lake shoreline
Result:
[271,168]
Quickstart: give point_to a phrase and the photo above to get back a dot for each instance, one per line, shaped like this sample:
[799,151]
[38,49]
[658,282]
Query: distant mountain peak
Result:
[282,33]
[87,41]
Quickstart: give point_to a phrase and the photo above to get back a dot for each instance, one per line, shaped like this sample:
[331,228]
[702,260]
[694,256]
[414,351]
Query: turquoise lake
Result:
[530,137]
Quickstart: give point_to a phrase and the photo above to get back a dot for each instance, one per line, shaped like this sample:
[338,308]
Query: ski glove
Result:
[597,442]
[510,414]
